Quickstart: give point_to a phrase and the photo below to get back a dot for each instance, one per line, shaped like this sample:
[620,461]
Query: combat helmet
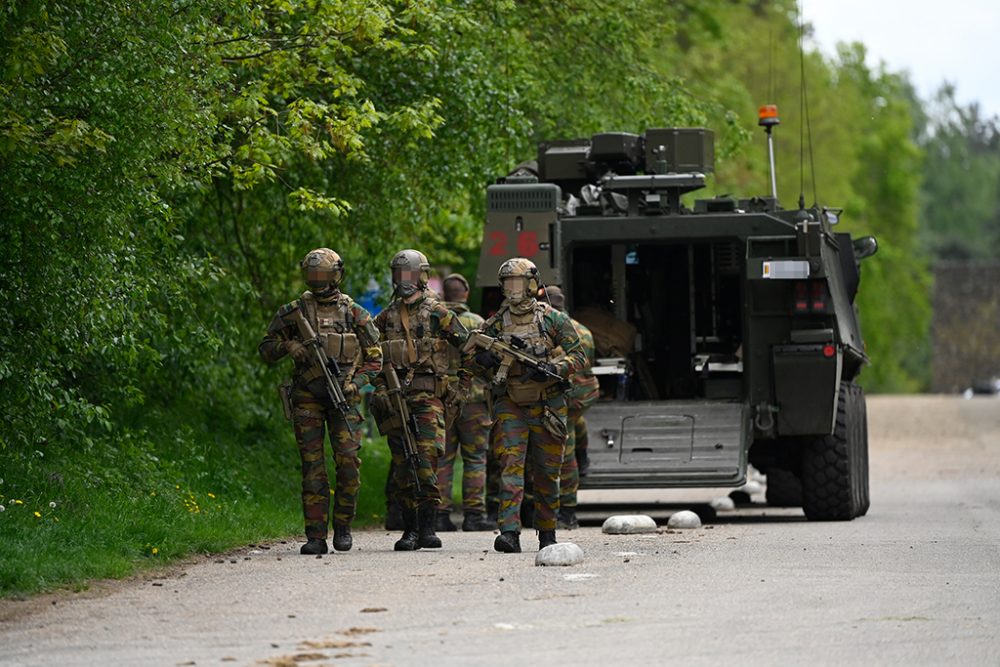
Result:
[454,292]
[322,271]
[410,272]
[554,295]
[518,279]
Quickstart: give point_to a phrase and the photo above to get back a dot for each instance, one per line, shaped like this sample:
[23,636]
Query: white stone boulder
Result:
[563,553]
[723,504]
[628,524]
[684,519]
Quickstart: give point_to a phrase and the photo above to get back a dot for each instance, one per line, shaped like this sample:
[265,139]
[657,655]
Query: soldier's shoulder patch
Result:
[290,307]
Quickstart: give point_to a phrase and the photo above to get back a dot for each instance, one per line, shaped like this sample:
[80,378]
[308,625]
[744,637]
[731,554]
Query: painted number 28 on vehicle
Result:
[526,244]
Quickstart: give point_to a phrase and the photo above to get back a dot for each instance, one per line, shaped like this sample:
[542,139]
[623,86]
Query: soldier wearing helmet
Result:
[584,391]
[530,412]
[417,332]
[467,428]
[348,336]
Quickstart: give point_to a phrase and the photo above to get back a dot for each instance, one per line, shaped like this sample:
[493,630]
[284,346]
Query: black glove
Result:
[487,359]
[541,374]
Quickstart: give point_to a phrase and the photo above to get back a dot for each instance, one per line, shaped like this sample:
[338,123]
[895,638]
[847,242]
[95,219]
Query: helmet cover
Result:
[410,272]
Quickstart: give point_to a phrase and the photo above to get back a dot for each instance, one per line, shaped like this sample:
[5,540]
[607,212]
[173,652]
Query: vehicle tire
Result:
[863,455]
[784,488]
[835,467]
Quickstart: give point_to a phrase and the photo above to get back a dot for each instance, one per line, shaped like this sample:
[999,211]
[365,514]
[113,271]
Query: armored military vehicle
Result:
[726,328]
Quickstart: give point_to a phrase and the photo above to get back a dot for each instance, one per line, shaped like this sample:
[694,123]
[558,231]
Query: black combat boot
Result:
[314,547]
[567,518]
[442,522]
[394,516]
[410,541]
[428,538]
[342,540]
[475,521]
[546,538]
[508,542]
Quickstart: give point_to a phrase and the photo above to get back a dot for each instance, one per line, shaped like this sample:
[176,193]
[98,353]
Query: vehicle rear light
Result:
[810,296]
[800,301]
[829,351]
[818,296]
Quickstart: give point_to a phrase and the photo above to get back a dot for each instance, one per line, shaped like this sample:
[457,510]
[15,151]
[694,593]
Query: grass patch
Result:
[109,511]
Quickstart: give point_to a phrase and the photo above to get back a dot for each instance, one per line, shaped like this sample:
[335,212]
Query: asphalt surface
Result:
[917,581]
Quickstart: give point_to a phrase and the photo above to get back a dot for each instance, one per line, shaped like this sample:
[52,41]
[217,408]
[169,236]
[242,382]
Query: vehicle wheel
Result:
[784,488]
[835,467]
[863,454]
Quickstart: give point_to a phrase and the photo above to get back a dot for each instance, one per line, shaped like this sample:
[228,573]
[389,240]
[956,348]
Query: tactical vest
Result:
[530,328]
[334,323]
[430,353]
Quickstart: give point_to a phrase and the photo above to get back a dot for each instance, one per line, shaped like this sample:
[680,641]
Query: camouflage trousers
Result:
[521,436]
[312,417]
[429,413]
[470,432]
[569,475]
[583,394]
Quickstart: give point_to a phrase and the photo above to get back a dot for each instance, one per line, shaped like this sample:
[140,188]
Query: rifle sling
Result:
[404,317]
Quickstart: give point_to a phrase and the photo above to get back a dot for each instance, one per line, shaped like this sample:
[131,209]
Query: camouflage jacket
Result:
[470,321]
[350,318]
[556,330]
[444,329]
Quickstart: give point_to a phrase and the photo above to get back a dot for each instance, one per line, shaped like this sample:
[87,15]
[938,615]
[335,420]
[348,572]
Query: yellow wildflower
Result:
[155,551]
[18,502]
[211,495]
[38,515]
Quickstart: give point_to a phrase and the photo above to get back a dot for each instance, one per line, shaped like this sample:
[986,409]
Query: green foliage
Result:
[960,200]
[164,165]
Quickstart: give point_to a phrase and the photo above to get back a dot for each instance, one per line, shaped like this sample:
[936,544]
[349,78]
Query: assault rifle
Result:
[516,350]
[330,367]
[409,428]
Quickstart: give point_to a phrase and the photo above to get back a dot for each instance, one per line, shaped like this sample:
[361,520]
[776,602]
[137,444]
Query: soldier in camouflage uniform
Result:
[530,414]
[467,428]
[417,330]
[584,391]
[348,336]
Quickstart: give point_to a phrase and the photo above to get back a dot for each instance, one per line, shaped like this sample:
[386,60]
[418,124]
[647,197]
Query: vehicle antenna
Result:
[805,129]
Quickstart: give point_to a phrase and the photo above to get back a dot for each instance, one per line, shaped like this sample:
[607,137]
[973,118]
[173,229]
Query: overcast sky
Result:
[954,40]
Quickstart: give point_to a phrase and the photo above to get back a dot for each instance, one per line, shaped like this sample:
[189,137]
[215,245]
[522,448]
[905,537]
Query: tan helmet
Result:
[322,270]
[410,272]
[456,287]
[515,290]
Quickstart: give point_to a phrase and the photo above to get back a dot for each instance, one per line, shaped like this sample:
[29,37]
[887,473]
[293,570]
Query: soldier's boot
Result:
[567,518]
[546,538]
[475,521]
[410,541]
[428,538]
[442,522]
[342,540]
[394,517]
[314,546]
[508,542]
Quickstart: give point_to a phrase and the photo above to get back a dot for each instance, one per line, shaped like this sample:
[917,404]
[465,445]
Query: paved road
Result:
[917,581]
